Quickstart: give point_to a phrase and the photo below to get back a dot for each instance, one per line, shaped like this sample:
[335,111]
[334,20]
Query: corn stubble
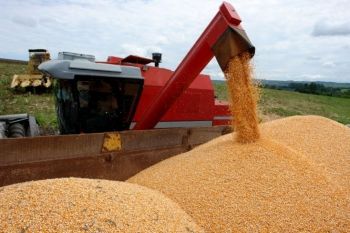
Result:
[243,95]
[84,205]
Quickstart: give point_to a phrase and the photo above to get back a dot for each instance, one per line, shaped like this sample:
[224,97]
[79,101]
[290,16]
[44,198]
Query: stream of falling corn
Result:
[243,96]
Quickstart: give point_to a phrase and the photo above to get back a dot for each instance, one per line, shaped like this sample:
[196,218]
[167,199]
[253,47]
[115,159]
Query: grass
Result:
[286,103]
[39,105]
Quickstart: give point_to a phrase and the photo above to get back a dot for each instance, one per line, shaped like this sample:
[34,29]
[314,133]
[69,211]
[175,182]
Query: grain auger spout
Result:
[223,38]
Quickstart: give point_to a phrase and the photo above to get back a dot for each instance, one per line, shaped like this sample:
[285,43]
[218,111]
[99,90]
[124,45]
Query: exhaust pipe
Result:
[157,58]
[224,38]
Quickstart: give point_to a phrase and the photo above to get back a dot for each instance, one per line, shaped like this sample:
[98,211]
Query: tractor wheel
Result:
[16,130]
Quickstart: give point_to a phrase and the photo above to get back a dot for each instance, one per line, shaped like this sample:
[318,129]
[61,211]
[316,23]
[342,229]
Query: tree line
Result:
[312,88]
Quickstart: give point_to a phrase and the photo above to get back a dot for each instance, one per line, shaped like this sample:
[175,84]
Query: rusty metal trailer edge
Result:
[113,155]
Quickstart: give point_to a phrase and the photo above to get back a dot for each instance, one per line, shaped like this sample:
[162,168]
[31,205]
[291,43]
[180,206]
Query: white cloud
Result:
[24,21]
[328,64]
[132,49]
[311,77]
[280,30]
[324,28]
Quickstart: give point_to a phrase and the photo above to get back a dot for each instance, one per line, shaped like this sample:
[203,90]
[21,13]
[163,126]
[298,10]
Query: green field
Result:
[277,103]
[273,104]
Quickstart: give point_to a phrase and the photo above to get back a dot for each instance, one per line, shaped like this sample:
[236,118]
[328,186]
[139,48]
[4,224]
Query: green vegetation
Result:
[287,103]
[313,88]
[40,105]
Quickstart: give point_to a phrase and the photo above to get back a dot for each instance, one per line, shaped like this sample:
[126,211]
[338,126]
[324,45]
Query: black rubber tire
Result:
[16,130]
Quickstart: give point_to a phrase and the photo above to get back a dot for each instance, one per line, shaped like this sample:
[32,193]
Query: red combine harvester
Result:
[98,102]
[114,95]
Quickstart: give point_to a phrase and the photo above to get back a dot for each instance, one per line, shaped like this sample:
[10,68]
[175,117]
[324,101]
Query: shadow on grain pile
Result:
[293,176]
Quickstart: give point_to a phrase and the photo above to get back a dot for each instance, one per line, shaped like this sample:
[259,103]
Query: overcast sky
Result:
[294,39]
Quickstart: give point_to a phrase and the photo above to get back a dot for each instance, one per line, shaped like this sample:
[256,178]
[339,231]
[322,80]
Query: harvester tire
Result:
[17,130]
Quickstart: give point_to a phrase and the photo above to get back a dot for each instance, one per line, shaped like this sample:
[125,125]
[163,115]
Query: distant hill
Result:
[284,84]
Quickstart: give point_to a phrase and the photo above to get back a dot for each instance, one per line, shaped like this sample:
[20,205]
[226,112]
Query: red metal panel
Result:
[114,60]
[221,122]
[155,76]
[195,104]
[222,115]
[230,14]
[221,108]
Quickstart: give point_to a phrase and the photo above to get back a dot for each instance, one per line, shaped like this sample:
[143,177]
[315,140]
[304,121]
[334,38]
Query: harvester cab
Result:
[93,97]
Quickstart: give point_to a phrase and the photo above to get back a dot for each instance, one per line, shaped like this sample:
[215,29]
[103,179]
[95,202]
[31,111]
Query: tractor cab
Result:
[93,97]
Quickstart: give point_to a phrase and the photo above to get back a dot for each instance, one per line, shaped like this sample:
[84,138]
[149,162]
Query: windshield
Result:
[100,104]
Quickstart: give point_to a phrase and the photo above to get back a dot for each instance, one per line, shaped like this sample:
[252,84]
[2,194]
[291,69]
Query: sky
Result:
[294,39]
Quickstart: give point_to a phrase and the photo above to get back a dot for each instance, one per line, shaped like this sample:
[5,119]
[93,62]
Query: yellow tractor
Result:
[34,78]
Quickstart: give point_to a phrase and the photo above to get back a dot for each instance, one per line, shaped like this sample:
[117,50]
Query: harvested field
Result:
[83,205]
[294,179]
